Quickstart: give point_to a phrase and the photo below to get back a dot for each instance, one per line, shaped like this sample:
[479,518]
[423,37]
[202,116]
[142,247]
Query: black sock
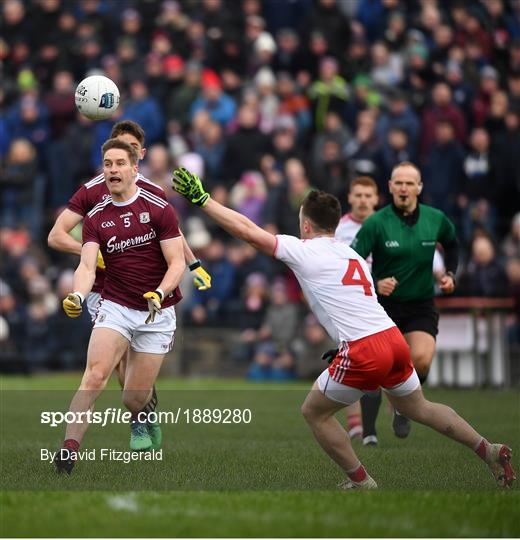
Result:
[422,378]
[369,408]
[152,404]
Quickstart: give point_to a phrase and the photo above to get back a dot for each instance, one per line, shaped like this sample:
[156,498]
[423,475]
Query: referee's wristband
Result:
[194,265]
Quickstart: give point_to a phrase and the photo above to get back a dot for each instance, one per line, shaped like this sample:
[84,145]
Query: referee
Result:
[401,238]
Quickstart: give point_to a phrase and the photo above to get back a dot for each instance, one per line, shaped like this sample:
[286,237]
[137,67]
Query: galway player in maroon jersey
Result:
[140,241]
[85,199]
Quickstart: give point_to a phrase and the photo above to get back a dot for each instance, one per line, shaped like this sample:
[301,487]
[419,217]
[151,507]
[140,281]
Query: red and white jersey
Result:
[129,235]
[346,231]
[95,191]
[337,284]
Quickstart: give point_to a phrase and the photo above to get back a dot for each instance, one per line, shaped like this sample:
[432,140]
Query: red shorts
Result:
[382,359]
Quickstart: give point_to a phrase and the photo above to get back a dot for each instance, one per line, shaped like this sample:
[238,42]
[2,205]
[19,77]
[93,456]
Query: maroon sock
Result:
[481,448]
[134,417]
[358,474]
[71,444]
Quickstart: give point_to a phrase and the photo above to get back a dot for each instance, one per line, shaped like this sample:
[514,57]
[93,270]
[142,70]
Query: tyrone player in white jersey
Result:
[372,351]
[83,201]
[139,238]
[363,197]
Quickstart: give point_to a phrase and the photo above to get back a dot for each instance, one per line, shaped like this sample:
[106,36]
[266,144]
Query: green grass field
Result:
[264,478]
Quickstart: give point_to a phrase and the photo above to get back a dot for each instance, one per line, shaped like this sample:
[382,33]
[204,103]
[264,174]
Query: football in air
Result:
[97,97]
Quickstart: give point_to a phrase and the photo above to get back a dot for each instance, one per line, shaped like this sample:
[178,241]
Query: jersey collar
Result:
[130,201]
[410,219]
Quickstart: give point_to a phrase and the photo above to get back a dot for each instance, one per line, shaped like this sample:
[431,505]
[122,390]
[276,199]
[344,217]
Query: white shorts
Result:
[156,337]
[93,300]
[348,394]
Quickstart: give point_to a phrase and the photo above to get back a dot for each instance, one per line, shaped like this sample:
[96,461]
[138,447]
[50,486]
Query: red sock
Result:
[353,420]
[358,474]
[481,448]
[71,444]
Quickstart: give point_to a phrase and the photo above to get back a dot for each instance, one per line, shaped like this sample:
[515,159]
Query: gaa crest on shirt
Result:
[144,217]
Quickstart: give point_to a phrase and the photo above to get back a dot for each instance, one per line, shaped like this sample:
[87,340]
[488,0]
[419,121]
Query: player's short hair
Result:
[366,181]
[323,209]
[128,126]
[121,145]
[406,164]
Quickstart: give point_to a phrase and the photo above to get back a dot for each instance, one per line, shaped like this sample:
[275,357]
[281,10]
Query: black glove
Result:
[329,355]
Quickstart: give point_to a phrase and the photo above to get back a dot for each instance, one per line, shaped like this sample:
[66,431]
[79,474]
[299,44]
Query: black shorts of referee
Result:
[413,315]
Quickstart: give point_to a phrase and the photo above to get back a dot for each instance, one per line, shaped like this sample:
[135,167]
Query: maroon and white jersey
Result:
[95,191]
[129,235]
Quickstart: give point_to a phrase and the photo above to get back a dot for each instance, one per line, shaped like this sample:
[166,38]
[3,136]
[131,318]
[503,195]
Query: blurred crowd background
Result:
[265,99]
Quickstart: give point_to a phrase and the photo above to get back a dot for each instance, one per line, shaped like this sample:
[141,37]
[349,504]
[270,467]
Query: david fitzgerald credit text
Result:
[101,454]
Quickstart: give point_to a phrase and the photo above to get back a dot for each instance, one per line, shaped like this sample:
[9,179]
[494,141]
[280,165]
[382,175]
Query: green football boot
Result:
[139,438]
[155,433]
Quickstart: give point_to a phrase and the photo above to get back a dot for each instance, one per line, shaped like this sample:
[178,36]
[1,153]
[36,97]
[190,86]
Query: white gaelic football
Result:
[97,97]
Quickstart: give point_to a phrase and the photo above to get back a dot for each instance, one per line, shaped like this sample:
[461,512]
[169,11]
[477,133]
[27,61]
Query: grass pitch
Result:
[264,478]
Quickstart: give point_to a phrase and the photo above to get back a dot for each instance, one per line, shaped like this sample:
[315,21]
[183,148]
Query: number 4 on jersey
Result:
[361,279]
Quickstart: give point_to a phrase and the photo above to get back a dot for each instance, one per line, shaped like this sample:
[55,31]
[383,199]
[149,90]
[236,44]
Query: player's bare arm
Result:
[85,273]
[84,278]
[60,239]
[190,186]
[59,236]
[174,256]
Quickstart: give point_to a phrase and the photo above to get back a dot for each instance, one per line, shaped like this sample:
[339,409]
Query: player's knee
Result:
[308,412]
[95,378]
[134,400]
[422,362]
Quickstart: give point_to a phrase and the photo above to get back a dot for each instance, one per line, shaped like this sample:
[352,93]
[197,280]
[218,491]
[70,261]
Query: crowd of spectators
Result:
[265,99]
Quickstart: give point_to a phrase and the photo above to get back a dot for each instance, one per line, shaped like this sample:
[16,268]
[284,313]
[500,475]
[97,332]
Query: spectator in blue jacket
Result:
[145,110]
[220,106]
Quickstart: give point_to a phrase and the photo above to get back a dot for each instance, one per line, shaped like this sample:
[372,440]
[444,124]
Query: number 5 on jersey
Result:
[354,267]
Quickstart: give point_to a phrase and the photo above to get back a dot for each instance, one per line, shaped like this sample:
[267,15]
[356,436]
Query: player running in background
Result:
[83,201]
[372,352]
[139,239]
[363,198]
[402,238]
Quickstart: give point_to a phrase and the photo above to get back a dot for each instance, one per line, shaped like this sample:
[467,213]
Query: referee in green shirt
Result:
[401,238]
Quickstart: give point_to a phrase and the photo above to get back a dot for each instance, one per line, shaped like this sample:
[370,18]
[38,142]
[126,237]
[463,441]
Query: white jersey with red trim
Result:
[337,284]
[346,231]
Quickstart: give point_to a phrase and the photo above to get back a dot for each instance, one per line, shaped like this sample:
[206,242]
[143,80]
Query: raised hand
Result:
[189,186]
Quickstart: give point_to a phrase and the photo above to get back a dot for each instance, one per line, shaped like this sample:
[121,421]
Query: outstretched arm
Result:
[190,186]
[241,227]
